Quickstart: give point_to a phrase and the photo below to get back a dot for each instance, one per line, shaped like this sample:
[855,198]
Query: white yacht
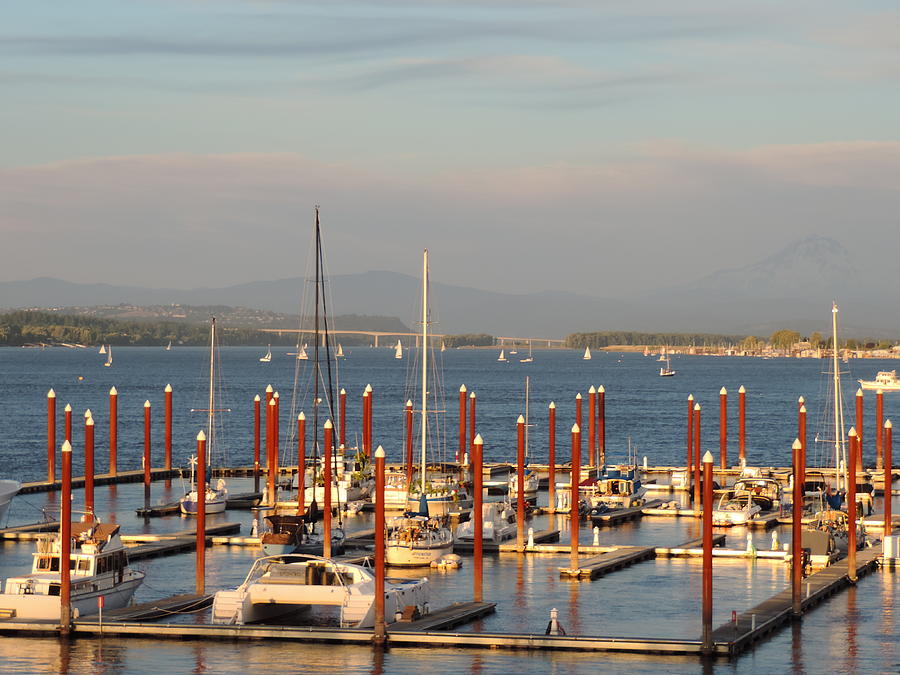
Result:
[886,380]
[310,585]
[498,523]
[98,568]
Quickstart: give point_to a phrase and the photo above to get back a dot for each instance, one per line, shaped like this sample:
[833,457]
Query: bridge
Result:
[376,335]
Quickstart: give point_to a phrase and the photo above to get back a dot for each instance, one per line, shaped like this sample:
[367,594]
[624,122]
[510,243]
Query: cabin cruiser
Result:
[99,567]
[886,380]
[318,588]
[746,500]
[618,487]
[531,485]
[498,524]
[297,534]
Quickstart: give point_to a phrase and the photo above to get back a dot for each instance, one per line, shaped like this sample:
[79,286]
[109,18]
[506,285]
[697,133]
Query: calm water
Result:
[853,632]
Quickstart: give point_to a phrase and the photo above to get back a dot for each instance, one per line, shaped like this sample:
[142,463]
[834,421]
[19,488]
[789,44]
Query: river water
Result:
[852,632]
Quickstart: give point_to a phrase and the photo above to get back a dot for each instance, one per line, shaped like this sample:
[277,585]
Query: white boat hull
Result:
[47,607]
[8,490]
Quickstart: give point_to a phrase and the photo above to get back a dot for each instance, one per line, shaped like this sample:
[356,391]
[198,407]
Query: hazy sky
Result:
[580,145]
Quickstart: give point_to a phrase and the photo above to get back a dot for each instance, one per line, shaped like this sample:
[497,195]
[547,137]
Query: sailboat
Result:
[443,346]
[169,346]
[102,349]
[302,355]
[216,499]
[420,538]
[108,357]
[529,358]
[663,354]
[587,354]
[340,351]
[502,356]
[268,355]
[398,350]
[667,371]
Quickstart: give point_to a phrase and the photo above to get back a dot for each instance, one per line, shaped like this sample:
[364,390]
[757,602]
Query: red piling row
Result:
[200,579]
[65,539]
[859,430]
[89,463]
[574,516]
[461,451]
[551,455]
[707,553]
[520,484]
[690,439]
[723,428]
[697,468]
[592,426]
[742,426]
[478,523]
[256,442]
[379,635]
[51,436]
[168,433]
[879,430]
[326,460]
[301,464]
[796,529]
[113,431]
[601,425]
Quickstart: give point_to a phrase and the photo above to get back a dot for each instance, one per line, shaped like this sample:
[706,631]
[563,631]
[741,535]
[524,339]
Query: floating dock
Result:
[246,500]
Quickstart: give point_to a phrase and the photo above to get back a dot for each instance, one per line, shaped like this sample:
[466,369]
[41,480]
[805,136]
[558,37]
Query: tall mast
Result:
[424,360]
[316,370]
[527,382]
[838,402]
[212,398]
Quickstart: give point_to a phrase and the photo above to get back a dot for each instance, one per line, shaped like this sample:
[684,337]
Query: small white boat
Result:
[268,355]
[529,358]
[317,587]
[398,350]
[498,523]
[502,356]
[102,349]
[108,357]
[667,371]
[587,354]
[886,380]
[216,499]
[98,568]
[8,490]
[302,355]
[746,500]
[340,351]
[531,484]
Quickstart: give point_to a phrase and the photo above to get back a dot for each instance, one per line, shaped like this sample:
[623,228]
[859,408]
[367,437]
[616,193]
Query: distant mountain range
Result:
[792,288]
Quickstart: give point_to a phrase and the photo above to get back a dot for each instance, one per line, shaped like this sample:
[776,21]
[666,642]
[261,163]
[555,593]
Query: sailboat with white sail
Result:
[102,349]
[340,351]
[267,357]
[169,346]
[216,498]
[587,354]
[502,356]
[666,371]
[398,350]
[529,358]
[108,356]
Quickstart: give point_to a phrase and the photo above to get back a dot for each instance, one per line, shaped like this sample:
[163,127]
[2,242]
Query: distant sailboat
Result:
[443,346]
[102,349]
[169,346]
[529,358]
[340,351]
[587,354]
[108,357]
[268,356]
[302,355]
[398,350]
[662,354]
[502,356]
[666,371]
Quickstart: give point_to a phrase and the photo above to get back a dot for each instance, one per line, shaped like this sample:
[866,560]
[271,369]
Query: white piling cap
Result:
[301,416]
[66,447]
[89,421]
[592,390]
[690,397]
[723,391]
[68,408]
[600,389]
[272,401]
[51,394]
[801,400]
[797,444]
[696,407]
[256,398]
[113,392]
[742,390]
[707,457]
[147,403]
[379,452]
[576,429]
[201,436]
[269,388]
[328,424]
[88,413]
[552,405]
[343,392]
[859,392]
[276,395]
[472,395]
[887,424]
[369,388]
[852,431]
[409,403]
[168,389]
[578,396]
[878,392]
[462,389]
[478,440]
[803,409]
[521,420]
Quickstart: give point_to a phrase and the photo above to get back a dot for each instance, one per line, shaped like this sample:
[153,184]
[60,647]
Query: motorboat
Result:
[531,485]
[297,534]
[99,568]
[885,380]
[735,508]
[319,589]
[498,523]
[617,487]
[216,498]
[8,490]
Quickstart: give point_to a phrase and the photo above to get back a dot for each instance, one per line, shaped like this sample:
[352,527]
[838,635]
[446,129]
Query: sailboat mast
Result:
[527,383]
[212,397]
[316,370]
[838,404]
[424,361]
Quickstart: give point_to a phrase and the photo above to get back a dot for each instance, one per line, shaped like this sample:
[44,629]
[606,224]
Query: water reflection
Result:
[797,648]
[852,622]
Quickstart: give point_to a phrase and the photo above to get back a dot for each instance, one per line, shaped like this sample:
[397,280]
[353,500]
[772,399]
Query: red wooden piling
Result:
[888,483]
[551,455]
[270,460]
[88,463]
[168,433]
[146,458]
[462,424]
[343,418]
[723,428]
[326,489]
[51,436]
[574,516]
[65,539]
[369,401]
[276,436]
[707,646]
[601,425]
[879,430]
[301,464]
[578,411]
[408,413]
[67,425]
[796,531]
[697,468]
[472,420]
[852,460]
[801,424]
[113,431]
[365,422]
[256,442]
[269,393]
[200,483]
[690,440]
[478,518]
[520,484]
[742,426]
[380,635]
[592,426]
[859,429]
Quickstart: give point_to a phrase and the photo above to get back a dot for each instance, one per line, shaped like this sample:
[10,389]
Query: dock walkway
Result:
[179,542]
[623,556]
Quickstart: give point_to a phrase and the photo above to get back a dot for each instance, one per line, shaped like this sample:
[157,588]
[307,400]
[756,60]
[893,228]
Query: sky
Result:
[593,146]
